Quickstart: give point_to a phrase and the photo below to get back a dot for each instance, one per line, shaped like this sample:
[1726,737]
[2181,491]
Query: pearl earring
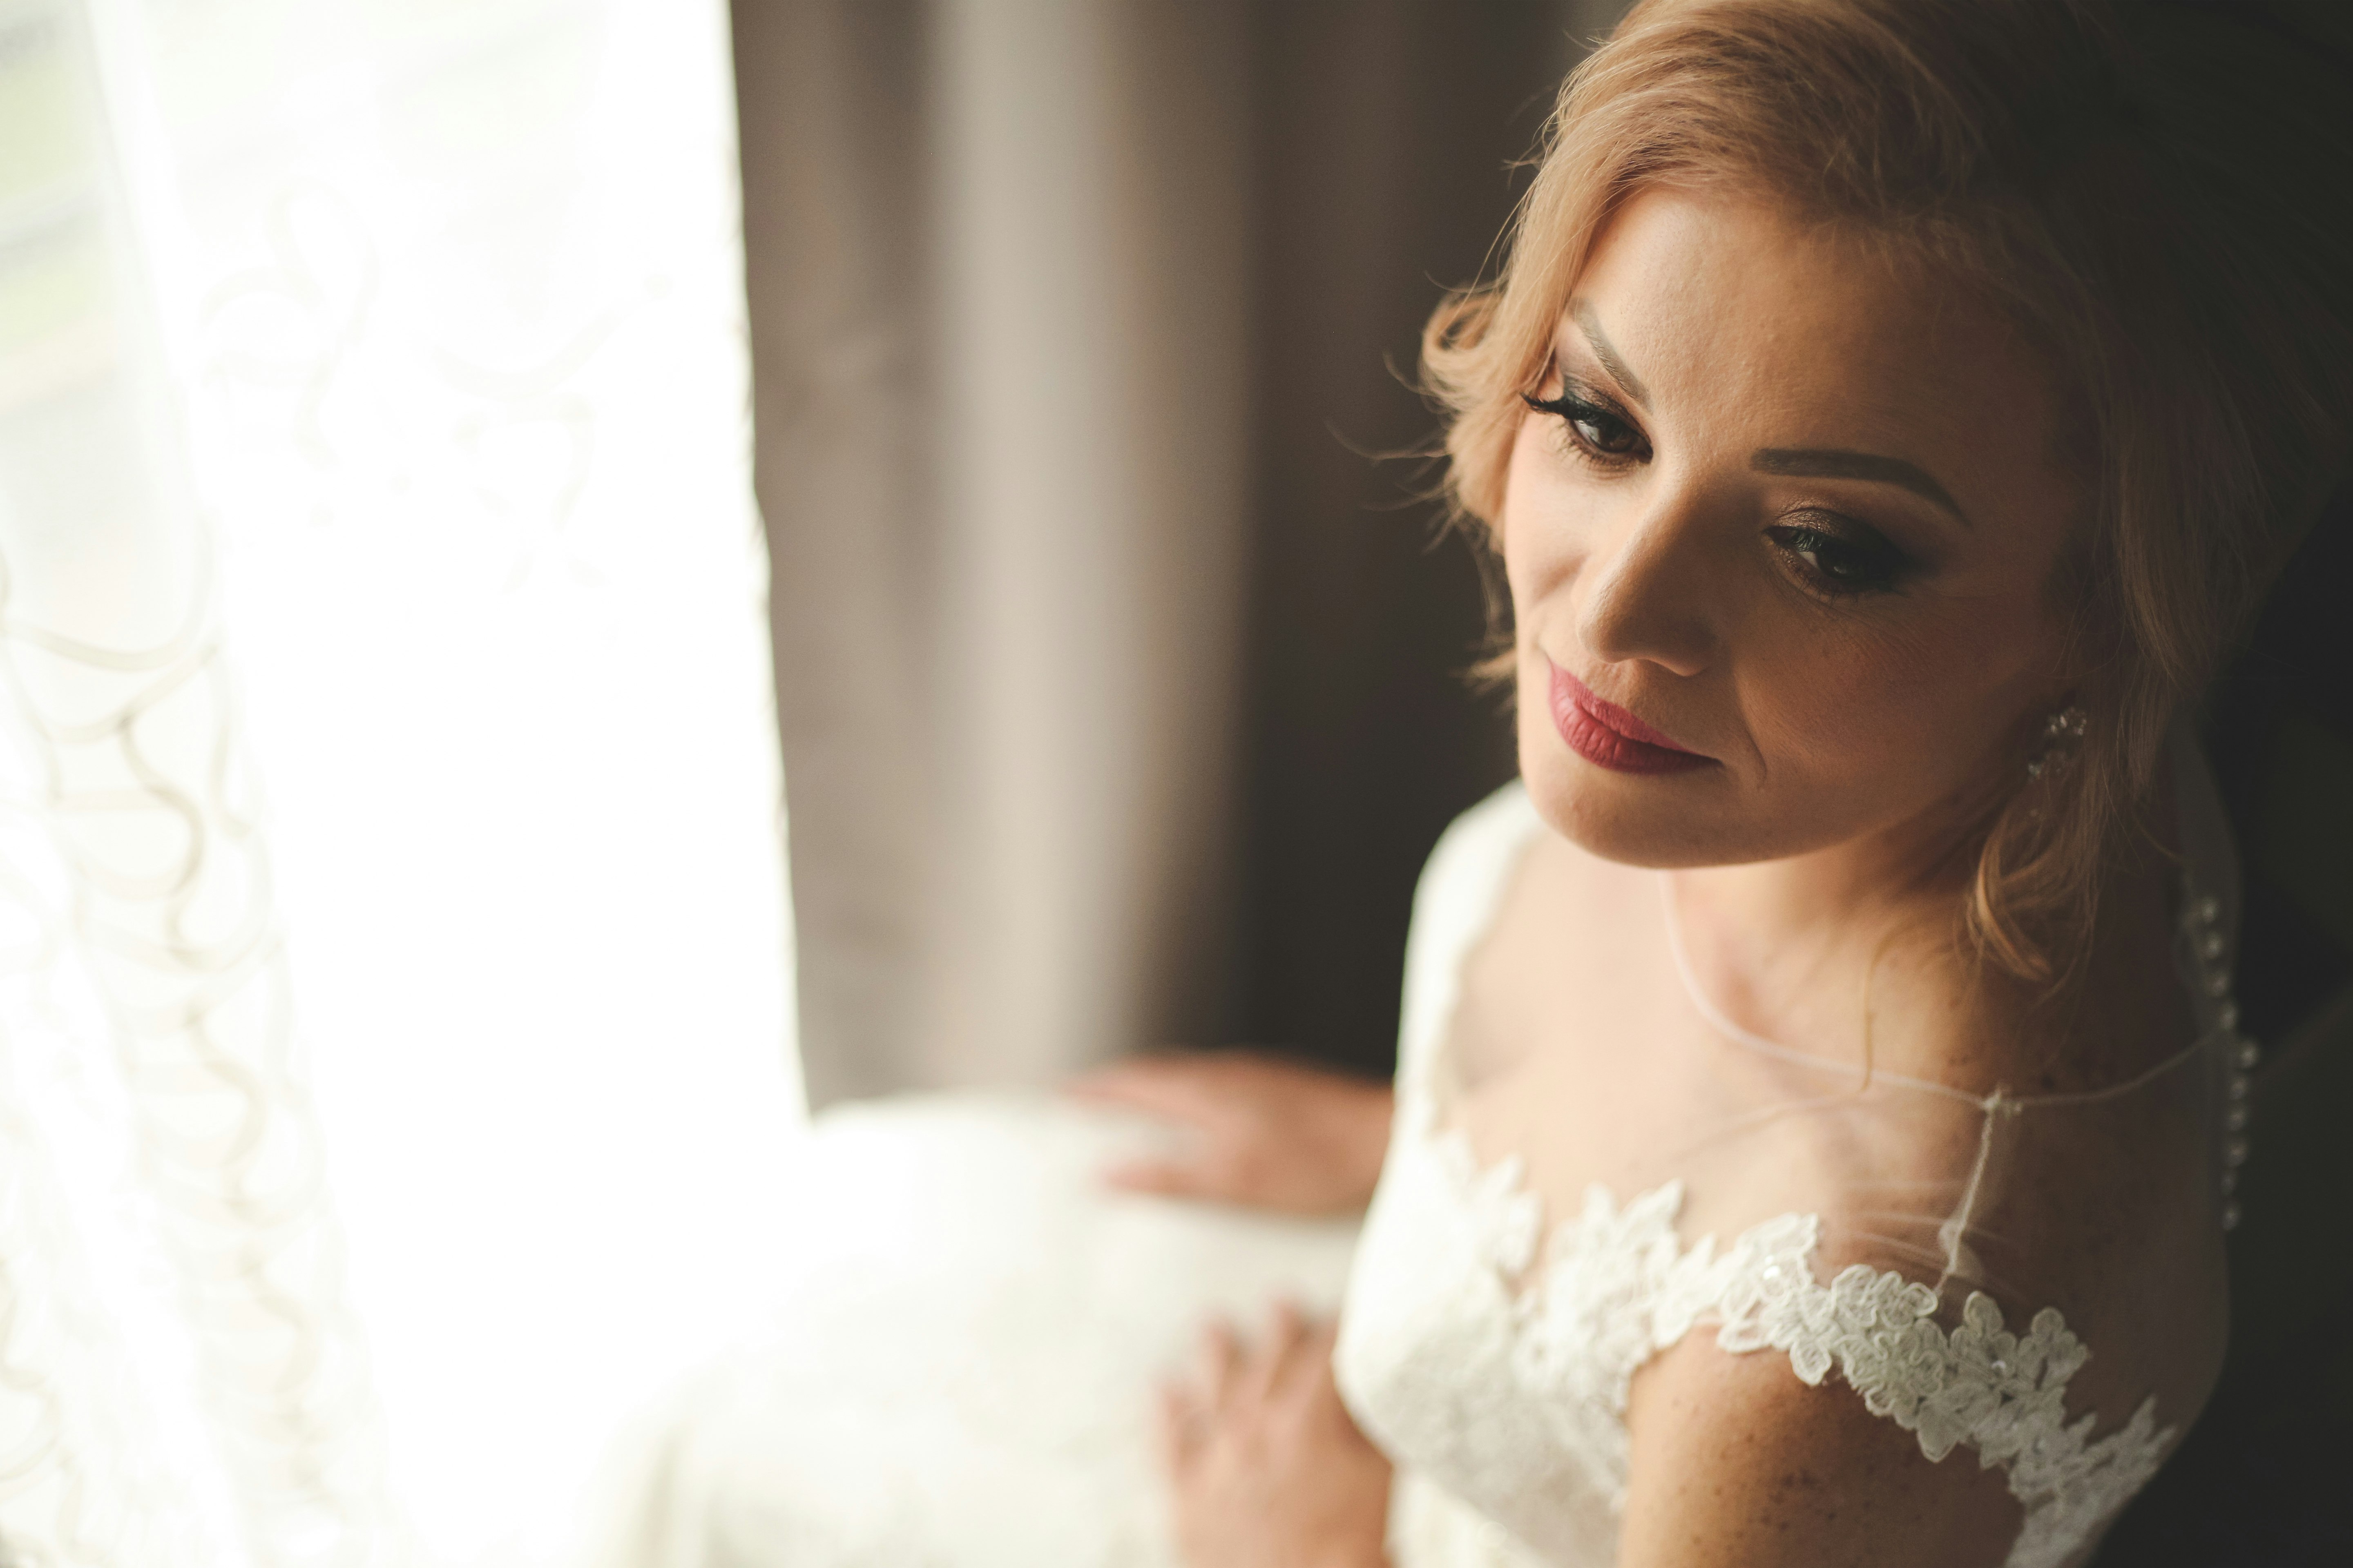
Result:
[2063,737]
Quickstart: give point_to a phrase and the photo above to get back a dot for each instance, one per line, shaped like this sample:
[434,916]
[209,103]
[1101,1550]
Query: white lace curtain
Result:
[394,991]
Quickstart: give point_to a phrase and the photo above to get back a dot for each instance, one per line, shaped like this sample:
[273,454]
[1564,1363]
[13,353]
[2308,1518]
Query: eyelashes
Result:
[1831,556]
[1838,565]
[1597,430]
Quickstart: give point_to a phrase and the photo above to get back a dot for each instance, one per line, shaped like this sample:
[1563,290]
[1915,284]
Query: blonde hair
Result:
[2157,194]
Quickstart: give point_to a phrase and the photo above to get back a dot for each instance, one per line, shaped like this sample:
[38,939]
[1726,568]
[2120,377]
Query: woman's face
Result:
[1780,542]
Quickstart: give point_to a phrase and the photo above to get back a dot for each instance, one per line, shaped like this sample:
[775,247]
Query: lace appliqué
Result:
[1619,1287]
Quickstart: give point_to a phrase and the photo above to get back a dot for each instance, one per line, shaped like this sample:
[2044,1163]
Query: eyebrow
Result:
[1581,311]
[1812,463]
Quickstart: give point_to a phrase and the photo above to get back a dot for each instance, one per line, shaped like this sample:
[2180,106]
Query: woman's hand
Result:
[1265,1468]
[1267,1134]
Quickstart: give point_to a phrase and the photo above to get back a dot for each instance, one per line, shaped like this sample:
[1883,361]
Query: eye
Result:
[1838,564]
[1601,431]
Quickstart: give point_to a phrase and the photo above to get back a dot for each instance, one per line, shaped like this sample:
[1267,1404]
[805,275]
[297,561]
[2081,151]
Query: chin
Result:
[1662,823]
[1670,822]
[1610,818]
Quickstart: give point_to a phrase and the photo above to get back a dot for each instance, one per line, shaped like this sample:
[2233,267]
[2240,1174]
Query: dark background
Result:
[2266,1476]
[1391,141]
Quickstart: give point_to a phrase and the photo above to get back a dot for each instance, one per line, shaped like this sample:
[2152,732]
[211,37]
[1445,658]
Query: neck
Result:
[1864,885]
[1804,949]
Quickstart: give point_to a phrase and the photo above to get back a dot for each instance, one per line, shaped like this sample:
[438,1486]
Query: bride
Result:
[1801,1151]
[1820,1095]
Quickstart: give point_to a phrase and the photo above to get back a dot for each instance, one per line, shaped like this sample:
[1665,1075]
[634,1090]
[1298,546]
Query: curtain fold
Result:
[837,275]
[999,293]
[1093,414]
[1120,682]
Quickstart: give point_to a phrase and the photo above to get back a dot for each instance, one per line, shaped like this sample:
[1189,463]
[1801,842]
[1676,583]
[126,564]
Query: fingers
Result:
[1235,1385]
[1223,1369]
[1203,1164]
[1276,1366]
[1174,1088]
[1221,1365]
[1209,1167]
[1314,1364]
[1230,1373]
[1177,1427]
[1193,1404]
[1306,1365]
[1165,1178]
[1260,1133]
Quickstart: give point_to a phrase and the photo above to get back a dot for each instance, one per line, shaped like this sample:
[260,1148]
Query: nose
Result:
[1643,590]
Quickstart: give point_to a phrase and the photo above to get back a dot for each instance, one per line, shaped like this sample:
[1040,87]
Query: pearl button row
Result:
[2201,923]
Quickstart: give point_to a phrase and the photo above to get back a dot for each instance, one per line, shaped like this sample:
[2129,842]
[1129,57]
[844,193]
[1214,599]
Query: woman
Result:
[1802,1153]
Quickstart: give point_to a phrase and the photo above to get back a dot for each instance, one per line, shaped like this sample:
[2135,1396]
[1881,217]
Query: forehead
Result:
[1731,310]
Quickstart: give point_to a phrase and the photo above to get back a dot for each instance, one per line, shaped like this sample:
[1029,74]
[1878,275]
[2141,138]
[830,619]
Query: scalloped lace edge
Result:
[1619,1287]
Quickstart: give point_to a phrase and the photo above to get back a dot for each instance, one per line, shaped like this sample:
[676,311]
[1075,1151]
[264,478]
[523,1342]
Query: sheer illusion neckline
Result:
[2000,1100]
[2206,893]
[1494,1332]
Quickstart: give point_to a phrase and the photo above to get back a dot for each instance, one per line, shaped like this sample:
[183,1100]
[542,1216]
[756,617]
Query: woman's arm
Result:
[1737,1461]
[1267,1133]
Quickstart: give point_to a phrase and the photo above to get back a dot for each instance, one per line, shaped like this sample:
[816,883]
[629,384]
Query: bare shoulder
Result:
[1737,1460]
[2098,1194]
[1962,1018]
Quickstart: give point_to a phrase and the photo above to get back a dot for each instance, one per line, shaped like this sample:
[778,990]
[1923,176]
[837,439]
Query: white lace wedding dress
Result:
[1880,1236]
[962,1373]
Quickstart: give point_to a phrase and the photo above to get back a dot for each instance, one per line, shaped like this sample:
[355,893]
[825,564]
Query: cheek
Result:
[1539,556]
[1869,701]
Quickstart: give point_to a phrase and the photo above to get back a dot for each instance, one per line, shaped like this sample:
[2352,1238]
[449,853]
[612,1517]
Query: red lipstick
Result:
[1607,736]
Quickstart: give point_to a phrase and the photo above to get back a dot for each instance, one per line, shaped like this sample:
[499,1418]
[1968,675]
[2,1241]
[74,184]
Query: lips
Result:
[1609,736]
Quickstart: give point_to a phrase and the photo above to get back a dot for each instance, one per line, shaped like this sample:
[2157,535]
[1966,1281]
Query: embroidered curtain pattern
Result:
[394,1052]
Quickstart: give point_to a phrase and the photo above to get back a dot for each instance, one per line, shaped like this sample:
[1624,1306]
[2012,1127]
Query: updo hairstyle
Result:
[2159,195]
